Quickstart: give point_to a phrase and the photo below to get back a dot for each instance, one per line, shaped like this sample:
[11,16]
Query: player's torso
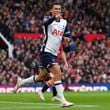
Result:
[53,34]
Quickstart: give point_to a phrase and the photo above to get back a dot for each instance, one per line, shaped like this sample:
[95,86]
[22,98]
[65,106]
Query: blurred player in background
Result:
[55,27]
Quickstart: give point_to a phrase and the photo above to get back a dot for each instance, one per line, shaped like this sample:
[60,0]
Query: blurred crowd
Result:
[24,64]
[89,63]
[84,16]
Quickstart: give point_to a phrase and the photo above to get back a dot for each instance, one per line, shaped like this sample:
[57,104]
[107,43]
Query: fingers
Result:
[66,66]
[58,16]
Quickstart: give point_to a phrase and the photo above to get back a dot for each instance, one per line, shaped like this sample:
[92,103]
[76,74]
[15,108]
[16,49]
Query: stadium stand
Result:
[90,63]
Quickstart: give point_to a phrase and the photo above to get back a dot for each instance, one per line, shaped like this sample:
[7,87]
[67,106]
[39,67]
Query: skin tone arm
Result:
[63,56]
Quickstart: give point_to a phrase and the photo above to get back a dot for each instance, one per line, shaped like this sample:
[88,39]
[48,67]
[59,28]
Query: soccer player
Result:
[55,27]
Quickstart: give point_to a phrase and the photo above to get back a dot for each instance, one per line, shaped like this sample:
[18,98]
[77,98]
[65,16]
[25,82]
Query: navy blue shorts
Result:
[47,60]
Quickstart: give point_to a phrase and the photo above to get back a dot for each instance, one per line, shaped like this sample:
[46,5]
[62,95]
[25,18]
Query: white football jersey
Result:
[54,32]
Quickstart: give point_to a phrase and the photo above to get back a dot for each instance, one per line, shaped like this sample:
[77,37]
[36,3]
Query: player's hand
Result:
[58,17]
[66,66]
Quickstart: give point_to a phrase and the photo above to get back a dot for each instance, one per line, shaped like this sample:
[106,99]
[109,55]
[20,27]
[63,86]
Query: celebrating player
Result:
[55,27]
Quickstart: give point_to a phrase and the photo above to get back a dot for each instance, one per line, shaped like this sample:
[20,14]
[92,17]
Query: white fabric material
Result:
[60,90]
[55,35]
[27,80]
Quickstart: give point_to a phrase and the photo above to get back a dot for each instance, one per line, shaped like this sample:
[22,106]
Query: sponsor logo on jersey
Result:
[57,32]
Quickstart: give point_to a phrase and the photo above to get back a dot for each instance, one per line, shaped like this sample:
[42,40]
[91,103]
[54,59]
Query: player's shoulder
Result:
[64,21]
[47,16]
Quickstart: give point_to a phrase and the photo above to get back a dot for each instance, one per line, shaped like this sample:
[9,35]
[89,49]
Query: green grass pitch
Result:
[30,101]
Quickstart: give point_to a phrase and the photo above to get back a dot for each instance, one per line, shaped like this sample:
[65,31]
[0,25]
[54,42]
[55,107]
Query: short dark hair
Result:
[54,3]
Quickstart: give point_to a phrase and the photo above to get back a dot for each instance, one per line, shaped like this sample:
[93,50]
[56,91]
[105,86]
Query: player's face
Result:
[56,9]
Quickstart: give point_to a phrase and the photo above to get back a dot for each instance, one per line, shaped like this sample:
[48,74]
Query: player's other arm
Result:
[48,20]
[67,33]
[63,56]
